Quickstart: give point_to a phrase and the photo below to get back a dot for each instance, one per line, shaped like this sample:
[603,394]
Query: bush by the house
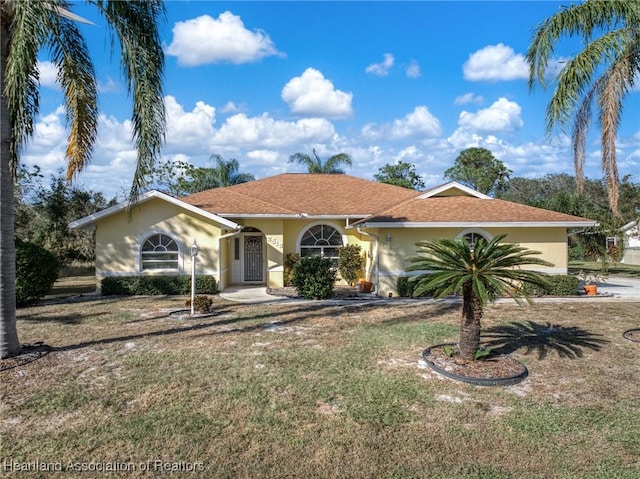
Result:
[36,271]
[290,260]
[350,262]
[559,285]
[201,304]
[156,285]
[314,277]
[406,287]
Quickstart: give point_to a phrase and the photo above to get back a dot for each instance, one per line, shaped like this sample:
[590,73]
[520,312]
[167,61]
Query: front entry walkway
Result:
[250,295]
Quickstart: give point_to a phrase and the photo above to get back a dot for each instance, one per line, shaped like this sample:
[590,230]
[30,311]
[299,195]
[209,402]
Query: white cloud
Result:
[312,94]
[468,98]
[420,123]
[381,69]
[187,131]
[496,63]
[503,116]
[48,75]
[108,86]
[413,70]
[230,107]
[225,39]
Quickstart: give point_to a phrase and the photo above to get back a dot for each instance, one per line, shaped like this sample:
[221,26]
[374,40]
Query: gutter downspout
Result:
[219,265]
[374,262]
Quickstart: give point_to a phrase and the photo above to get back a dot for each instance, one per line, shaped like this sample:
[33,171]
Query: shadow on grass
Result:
[567,342]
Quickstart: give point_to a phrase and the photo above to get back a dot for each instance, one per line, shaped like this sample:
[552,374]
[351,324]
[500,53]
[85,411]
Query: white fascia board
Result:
[293,216]
[453,184]
[512,224]
[90,220]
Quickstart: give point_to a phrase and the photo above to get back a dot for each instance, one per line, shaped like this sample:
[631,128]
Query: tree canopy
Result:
[479,169]
[401,174]
[314,164]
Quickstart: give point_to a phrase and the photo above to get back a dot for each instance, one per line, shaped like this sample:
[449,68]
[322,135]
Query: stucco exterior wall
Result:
[119,239]
[398,245]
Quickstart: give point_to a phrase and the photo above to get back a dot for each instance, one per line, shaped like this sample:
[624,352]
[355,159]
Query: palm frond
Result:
[135,24]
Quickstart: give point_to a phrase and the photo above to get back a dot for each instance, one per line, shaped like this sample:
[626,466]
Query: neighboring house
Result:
[631,235]
[245,231]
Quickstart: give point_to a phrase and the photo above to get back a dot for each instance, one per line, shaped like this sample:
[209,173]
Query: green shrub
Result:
[405,287]
[201,304]
[290,260]
[559,285]
[314,277]
[36,272]
[350,262]
[156,285]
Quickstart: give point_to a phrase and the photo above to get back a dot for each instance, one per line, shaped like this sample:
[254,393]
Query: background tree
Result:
[31,28]
[315,165]
[479,169]
[602,72]
[488,271]
[401,174]
[180,178]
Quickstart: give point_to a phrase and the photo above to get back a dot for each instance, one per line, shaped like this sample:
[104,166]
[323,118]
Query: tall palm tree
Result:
[315,165]
[603,72]
[483,272]
[227,173]
[29,28]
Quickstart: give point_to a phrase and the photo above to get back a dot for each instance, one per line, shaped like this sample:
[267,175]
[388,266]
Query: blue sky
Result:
[382,81]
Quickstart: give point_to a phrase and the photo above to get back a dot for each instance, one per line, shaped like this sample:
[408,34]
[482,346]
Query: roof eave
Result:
[90,221]
[477,224]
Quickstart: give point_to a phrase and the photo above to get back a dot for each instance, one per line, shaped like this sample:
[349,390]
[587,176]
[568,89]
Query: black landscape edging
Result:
[506,381]
[624,335]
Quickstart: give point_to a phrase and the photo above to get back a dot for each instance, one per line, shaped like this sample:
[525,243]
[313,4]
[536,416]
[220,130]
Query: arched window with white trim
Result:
[159,252]
[323,240]
[473,234]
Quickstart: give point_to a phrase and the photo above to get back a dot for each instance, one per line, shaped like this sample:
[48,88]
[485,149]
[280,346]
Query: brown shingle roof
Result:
[298,193]
[465,209]
[293,194]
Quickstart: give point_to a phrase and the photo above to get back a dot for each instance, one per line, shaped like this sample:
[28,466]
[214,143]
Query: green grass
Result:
[315,391]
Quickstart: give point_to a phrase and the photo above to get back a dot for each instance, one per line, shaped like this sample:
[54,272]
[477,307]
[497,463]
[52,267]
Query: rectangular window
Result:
[236,249]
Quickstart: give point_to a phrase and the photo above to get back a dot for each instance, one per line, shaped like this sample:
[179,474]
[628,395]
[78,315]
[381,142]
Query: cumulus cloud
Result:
[420,123]
[503,116]
[188,130]
[48,75]
[381,69]
[496,63]
[312,94]
[468,98]
[413,70]
[217,40]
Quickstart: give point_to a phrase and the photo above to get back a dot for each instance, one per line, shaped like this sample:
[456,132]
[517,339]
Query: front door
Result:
[253,259]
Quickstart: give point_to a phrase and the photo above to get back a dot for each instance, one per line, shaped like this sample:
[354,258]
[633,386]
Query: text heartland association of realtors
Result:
[115,466]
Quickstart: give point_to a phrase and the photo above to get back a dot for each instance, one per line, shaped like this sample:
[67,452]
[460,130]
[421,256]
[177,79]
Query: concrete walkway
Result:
[615,289]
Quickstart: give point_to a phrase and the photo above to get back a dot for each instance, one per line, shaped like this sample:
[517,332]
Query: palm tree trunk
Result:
[9,343]
[470,323]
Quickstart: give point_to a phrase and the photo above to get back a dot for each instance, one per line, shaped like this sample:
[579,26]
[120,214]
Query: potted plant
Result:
[591,280]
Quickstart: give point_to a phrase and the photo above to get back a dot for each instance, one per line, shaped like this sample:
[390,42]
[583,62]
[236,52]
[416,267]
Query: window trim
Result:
[477,231]
[308,226]
[141,241]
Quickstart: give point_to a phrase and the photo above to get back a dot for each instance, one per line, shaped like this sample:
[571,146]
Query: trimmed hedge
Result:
[36,272]
[559,285]
[314,277]
[157,285]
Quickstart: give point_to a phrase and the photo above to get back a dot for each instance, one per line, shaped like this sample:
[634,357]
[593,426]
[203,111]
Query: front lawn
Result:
[314,391]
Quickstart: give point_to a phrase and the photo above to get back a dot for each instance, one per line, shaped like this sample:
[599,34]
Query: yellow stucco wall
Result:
[394,254]
[119,238]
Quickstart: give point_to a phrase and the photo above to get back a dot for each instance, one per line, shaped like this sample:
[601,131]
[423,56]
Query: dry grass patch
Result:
[316,390]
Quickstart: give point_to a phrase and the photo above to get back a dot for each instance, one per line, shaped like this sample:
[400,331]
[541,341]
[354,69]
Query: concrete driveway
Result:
[621,287]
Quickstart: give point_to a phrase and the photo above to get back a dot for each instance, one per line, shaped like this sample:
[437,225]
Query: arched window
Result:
[159,251]
[472,235]
[323,240]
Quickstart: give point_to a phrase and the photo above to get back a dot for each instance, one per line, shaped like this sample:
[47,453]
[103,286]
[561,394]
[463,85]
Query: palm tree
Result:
[315,165]
[226,173]
[483,272]
[603,72]
[29,28]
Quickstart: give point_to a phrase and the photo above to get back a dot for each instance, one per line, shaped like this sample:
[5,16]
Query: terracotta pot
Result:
[365,286]
[591,289]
